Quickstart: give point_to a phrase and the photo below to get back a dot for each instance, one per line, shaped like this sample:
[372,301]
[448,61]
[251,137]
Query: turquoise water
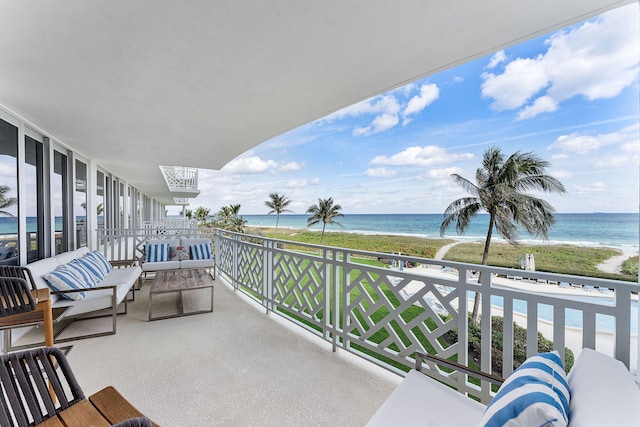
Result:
[601,229]
[574,317]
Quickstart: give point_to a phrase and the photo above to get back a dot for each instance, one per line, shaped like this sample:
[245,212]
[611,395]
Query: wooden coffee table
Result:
[180,281]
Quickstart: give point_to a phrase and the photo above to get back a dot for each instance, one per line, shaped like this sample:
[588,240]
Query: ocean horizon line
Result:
[618,230]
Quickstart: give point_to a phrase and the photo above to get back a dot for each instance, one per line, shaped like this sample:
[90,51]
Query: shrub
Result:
[497,337]
[630,266]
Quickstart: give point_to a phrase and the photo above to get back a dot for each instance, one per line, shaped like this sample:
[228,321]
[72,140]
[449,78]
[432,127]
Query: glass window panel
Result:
[34,199]
[59,203]
[100,199]
[9,242]
[80,204]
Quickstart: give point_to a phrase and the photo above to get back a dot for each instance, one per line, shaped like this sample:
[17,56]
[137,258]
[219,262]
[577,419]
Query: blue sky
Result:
[572,97]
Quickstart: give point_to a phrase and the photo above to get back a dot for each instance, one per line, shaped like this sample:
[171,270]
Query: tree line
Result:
[229,218]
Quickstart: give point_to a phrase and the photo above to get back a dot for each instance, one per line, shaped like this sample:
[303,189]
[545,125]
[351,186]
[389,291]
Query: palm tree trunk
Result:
[324,224]
[485,259]
[275,236]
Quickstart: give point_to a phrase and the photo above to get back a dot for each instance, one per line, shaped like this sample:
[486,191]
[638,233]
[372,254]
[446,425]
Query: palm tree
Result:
[237,224]
[324,211]
[201,214]
[6,202]
[277,204]
[501,190]
[228,218]
[234,209]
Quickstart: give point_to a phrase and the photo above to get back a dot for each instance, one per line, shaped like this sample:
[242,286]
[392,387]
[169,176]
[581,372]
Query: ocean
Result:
[618,230]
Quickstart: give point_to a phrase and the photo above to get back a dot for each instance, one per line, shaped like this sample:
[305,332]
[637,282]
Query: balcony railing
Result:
[128,243]
[180,179]
[385,315]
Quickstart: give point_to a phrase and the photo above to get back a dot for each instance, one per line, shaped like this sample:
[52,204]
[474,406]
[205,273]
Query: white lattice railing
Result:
[128,243]
[171,224]
[180,179]
[387,315]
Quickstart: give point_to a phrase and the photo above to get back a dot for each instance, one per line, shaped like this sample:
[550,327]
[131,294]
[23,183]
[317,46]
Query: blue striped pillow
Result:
[63,279]
[201,251]
[83,273]
[97,264]
[535,394]
[100,258]
[157,252]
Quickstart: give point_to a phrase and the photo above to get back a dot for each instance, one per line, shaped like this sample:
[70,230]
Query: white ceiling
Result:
[136,84]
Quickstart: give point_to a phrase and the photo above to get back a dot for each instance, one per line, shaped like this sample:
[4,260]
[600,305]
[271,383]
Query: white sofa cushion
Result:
[422,401]
[122,278]
[160,266]
[603,392]
[197,263]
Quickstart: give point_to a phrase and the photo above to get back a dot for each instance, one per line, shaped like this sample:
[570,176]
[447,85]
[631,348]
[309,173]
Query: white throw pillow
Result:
[603,392]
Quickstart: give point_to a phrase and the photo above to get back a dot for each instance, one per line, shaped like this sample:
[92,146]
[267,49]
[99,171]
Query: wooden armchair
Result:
[22,304]
[41,390]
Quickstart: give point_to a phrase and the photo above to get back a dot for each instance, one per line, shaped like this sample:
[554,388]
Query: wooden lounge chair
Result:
[41,390]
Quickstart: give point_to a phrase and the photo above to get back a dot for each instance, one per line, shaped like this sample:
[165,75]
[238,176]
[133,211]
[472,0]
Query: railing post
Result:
[346,300]
[327,255]
[623,327]
[267,274]
[338,278]
[234,268]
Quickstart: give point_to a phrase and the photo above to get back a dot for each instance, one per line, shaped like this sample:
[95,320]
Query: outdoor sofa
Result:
[177,253]
[599,391]
[84,291]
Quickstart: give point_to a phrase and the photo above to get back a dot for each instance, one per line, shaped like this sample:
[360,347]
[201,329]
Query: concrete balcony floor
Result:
[235,366]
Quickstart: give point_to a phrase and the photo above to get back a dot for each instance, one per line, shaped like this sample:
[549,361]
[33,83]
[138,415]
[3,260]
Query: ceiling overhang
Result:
[139,84]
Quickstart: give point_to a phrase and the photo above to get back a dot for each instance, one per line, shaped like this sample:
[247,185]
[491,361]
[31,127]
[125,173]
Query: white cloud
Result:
[428,93]
[559,157]
[595,60]
[379,124]
[497,59]
[384,104]
[386,108]
[291,166]
[544,104]
[581,144]
[458,79]
[443,173]
[596,187]
[562,174]
[420,156]
[521,79]
[252,164]
[301,183]
[380,172]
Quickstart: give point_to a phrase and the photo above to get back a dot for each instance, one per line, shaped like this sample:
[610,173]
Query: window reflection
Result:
[9,232]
